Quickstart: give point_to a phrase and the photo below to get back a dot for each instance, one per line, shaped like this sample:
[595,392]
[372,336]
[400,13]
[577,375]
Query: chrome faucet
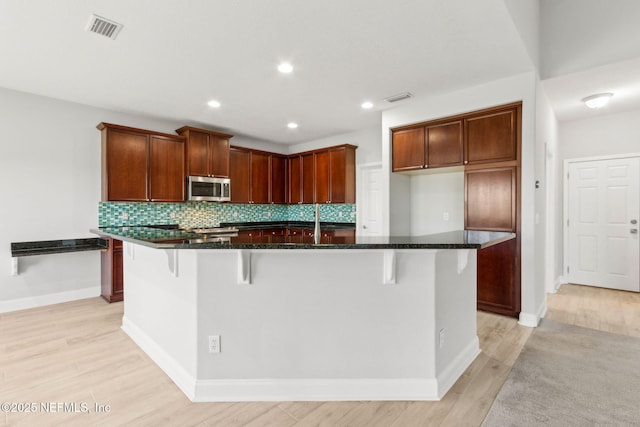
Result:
[316,230]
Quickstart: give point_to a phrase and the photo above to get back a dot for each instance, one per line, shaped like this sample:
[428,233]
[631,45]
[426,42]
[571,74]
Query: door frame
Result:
[359,190]
[565,202]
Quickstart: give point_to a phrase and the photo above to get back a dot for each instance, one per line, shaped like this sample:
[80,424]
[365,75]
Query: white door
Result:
[370,206]
[603,214]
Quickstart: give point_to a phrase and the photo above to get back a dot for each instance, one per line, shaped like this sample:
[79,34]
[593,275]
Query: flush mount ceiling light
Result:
[597,101]
[213,104]
[292,125]
[367,105]
[285,68]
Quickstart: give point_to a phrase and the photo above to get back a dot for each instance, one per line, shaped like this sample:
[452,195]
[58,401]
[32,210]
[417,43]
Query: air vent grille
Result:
[398,97]
[104,27]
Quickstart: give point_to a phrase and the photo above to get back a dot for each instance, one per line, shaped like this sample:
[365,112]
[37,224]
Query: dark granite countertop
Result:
[177,239]
[43,247]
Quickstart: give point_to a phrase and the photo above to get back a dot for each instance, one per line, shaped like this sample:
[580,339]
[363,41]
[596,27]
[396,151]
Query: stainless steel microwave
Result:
[207,189]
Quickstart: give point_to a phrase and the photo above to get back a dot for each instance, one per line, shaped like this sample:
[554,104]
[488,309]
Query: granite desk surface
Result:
[189,239]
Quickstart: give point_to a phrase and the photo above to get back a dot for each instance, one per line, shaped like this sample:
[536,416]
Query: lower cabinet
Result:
[499,278]
[112,283]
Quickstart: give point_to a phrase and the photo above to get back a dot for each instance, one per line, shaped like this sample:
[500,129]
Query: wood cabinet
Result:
[488,143]
[240,175]
[433,146]
[329,175]
[207,152]
[408,149]
[499,278]
[295,179]
[257,176]
[319,176]
[278,175]
[140,165]
[112,283]
[342,174]
[260,178]
[491,136]
[444,144]
[490,199]
[166,170]
[321,184]
[307,194]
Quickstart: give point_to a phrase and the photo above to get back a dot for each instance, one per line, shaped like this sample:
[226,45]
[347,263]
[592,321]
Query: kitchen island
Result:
[385,318]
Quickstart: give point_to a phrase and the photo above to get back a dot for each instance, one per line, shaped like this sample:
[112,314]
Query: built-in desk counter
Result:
[386,318]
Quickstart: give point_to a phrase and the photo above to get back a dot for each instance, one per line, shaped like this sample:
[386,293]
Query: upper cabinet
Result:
[491,137]
[482,137]
[342,174]
[207,152]
[408,149]
[141,165]
[432,146]
[444,144]
[327,175]
[278,175]
[257,176]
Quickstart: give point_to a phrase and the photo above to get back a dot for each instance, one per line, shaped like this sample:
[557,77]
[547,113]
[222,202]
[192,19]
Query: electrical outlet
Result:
[339,214]
[445,216]
[125,216]
[214,343]
[441,338]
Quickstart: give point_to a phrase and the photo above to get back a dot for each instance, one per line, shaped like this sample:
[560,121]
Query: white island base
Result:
[304,324]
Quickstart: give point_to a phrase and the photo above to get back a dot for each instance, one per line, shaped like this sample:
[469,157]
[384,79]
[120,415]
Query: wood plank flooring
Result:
[596,308]
[76,353]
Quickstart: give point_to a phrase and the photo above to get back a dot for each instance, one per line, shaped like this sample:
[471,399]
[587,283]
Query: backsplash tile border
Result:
[204,214]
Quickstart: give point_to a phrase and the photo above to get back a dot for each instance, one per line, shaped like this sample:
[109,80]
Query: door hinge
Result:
[567,223]
[567,269]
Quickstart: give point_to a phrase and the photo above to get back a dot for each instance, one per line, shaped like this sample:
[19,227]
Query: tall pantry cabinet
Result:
[488,144]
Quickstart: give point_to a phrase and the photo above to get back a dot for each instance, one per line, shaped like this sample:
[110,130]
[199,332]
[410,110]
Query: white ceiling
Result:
[173,56]
[589,47]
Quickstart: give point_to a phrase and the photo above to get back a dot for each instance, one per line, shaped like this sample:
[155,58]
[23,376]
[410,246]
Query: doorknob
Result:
[634,221]
[364,226]
[634,231]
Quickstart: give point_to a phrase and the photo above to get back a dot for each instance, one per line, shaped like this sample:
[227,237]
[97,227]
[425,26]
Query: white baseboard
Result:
[303,389]
[168,364]
[532,320]
[318,390]
[456,368]
[48,299]
[560,280]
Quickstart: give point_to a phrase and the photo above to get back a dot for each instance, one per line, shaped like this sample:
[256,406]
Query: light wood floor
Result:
[76,353]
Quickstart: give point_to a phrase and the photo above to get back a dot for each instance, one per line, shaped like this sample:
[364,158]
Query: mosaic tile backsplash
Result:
[203,214]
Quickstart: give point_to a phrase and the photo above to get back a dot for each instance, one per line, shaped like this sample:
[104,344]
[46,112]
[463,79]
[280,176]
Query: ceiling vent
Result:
[104,27]
[398,97]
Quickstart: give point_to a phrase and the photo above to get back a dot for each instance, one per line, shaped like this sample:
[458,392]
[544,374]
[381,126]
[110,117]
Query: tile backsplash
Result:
[203,214]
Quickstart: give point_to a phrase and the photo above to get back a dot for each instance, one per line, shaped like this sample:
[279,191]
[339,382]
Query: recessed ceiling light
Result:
[366,105]
[213,104]
[292,125]
[285,68]
[597,101]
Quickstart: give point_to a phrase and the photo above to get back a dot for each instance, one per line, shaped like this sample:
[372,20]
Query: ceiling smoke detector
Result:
[398,97]
[103,26]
